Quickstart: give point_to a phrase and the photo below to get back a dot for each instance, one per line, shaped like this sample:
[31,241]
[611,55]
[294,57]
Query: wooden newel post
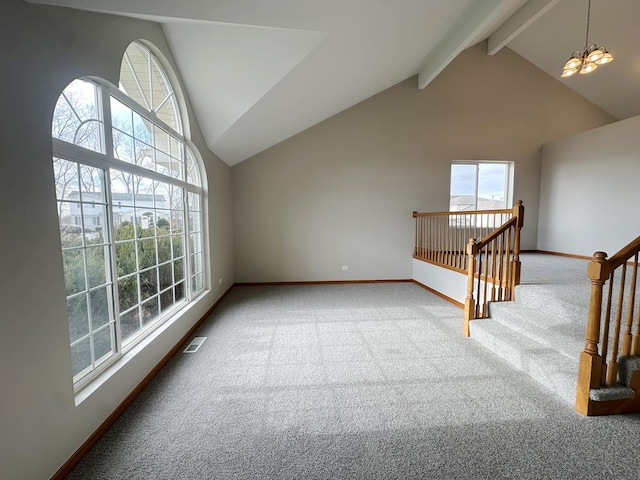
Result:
[518,212]
[469,302]
[590,367]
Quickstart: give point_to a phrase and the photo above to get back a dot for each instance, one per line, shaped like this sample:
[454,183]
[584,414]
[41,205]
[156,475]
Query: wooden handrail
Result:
[486,240]
[605,338]
[462,212]
[492,264]
[623,255]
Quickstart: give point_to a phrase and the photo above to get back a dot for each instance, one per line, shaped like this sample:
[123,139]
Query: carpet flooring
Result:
[364,381]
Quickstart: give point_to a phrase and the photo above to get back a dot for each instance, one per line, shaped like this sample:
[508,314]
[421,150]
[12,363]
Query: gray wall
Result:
[342,192]
[589,193]
[41,50]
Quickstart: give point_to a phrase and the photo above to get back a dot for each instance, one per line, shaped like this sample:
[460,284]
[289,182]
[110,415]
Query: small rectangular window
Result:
[480,186]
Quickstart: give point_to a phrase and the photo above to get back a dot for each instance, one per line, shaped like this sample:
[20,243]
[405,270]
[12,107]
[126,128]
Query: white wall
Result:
[589,193]
[449,283]
[342,192]
[41,50]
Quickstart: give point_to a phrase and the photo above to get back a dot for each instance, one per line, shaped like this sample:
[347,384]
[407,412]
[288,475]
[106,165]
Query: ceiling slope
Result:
[259,72]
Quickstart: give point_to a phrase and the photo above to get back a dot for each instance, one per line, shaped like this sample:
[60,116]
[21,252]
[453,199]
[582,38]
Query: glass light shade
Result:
[567,72]
[588,67]
[606,58]
[573,62]
[596,54]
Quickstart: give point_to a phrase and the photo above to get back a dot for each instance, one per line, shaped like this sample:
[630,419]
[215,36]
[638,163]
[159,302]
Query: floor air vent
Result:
[194,345]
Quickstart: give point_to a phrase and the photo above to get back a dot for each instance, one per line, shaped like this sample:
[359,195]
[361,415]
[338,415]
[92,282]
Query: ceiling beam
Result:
[469,25]
[518,23]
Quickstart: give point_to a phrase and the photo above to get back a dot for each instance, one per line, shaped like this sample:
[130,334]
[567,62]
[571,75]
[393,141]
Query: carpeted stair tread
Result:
[611,392]
[551,331]
[567,300]
[552,369]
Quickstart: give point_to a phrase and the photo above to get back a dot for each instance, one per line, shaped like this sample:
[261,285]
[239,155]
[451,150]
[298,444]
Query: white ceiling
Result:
[258,72]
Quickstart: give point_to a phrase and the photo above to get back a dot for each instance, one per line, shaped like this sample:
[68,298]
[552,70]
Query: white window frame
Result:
[105,162]
[508,181]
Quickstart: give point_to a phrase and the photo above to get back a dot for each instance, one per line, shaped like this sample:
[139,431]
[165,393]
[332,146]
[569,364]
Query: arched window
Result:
[129,196]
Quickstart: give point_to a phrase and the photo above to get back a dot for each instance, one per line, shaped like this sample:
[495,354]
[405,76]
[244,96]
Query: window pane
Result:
[196,263]
[148,283]
[492,179]
[150,311]
[144,155]
[74,277]
[67,179]
[99,308]
[195,243]
[143,192]
[166,276]
[163,163]
[129,324]
[160,86]
[168,113]
[122,188]
[463,187]
[126,256]
[193,175]
[146,222]
[178,270]
[146,253]
[175,148]
[194,222]
[81,356]
[142,128]
[103,344]
[166,299]
[194,202]
[176,242]
[78,317]
[70,235]
[96,266]
[196,282]
[179,291]
[123,146]
[77,118]
[164,249]
[128,292]
[121,117]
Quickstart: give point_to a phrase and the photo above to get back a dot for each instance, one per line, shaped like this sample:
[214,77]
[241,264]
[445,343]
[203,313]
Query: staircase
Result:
[542,331]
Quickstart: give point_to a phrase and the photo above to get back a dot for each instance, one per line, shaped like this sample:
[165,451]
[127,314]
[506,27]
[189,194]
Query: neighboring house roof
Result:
[467,202]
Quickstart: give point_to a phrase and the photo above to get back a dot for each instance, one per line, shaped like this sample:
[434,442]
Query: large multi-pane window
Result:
[129,199]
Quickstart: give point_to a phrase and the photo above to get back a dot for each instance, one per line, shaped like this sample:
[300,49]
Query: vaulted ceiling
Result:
[258,72]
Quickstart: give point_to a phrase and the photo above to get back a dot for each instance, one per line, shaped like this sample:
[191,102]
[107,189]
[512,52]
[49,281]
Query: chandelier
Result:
[589,59]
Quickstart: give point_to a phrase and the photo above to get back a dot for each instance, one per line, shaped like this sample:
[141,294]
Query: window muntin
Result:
[143,79]
[123,202]
[479,186]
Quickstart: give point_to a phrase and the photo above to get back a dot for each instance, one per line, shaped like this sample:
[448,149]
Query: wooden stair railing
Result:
[612,333]
[493,268]
[492,264]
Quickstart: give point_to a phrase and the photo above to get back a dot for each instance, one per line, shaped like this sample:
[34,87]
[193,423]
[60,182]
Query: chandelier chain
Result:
[586,40]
